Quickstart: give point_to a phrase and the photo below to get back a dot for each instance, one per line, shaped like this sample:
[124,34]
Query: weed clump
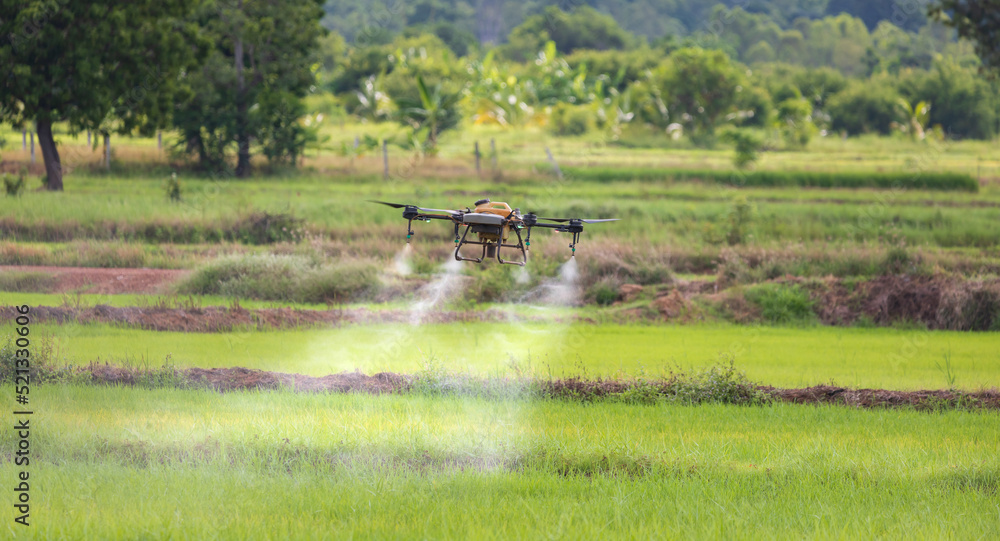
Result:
[782,304]
[284,278]
[266,228]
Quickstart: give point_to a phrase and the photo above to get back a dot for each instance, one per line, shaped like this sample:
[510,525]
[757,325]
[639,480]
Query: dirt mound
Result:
[105,281]
[246,379]
[881,398]
[895,298]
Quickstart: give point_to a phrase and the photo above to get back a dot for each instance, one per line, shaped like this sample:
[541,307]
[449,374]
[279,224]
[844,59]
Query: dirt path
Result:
[105,281]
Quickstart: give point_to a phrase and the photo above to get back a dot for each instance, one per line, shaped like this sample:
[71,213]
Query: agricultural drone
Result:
[493,222]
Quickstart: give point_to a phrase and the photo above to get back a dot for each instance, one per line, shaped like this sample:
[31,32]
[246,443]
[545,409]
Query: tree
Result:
[83,62]
[703,87]
[975,20]
[249,88]
[863,107]
[584,28]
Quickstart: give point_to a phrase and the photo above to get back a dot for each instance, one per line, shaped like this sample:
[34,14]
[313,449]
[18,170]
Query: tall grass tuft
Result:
[285,278]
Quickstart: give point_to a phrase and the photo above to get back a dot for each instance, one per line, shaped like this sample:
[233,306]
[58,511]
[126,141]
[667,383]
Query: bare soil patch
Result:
[105,281]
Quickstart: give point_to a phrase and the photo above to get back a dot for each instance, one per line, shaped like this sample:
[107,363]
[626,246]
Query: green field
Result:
[788,357]
[127,463]
[122,462]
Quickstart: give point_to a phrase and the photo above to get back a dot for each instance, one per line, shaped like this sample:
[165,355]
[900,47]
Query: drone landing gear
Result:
[491,248]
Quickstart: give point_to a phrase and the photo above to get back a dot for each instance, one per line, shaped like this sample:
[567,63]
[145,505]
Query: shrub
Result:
[747,145]
[283,278]
[570,120]
[782,304]
[898,261]
[605,291]
[740,218]
[721,383]
[490,283]
[266,228]
[42,355]
[864,107]
[173,188]
[14,186]
[352,280]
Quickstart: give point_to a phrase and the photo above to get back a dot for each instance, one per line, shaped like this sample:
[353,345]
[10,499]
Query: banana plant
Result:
[917,116]
[437,111]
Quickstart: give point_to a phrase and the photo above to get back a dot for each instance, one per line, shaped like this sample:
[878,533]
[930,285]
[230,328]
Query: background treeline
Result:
[491,21]
[236,79]
[791,70]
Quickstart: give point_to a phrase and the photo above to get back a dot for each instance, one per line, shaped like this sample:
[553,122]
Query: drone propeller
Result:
[584,220]
[400,206]
[393,205]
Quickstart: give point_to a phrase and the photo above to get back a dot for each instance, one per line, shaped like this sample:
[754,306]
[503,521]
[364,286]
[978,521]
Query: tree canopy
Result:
[106,66]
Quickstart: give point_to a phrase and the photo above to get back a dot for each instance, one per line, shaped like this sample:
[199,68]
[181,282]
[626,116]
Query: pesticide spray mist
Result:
[401,262]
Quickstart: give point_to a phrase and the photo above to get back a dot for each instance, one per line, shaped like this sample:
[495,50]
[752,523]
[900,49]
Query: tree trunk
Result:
[242,123]
[53,167]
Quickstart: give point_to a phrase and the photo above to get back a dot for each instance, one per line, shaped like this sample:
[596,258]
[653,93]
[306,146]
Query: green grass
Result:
[788,357]
[127,463]
[652,212]
[902,180]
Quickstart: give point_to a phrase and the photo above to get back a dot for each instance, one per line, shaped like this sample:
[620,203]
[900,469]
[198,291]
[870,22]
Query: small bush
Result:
[266,228]
[283,278]
[40,365]
[567,120]
[747,145]
[173,188]
[14,186]
[353,280]
[899,261]
[490,283]
[605,291]
[782,304]
[721,383]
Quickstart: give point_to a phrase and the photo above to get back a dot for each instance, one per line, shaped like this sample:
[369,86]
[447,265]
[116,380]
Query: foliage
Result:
[569,119]
[964,105]
[702,87]
[740,219]
[975,20]
[13,185]
[250,86]
[282,278]
[925,180]
[747,145]
[916,116]
[782,304]
[583,28]
[173,188]
[865,107]
[70,61]
[268,228]
[436,112]
[793,118]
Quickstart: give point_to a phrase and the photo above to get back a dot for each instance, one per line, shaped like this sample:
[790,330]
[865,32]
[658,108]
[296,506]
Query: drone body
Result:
[493,224]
